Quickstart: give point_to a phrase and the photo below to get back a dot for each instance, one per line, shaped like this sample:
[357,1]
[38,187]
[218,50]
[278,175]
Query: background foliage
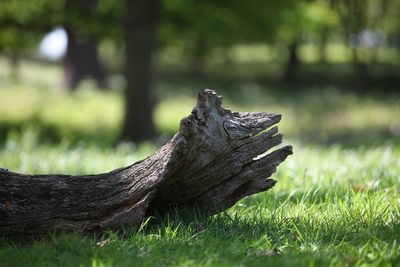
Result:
[331,67]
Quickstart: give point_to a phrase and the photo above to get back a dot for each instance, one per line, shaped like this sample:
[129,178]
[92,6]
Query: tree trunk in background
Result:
[198,62]
[292,64]
[197,67]
[322,45]
[81,59]
[362,71]
[139,26]
[14,62]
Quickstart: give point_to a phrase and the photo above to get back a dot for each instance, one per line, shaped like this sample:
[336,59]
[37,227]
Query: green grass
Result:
[331,206]
[326,114]
[336,203]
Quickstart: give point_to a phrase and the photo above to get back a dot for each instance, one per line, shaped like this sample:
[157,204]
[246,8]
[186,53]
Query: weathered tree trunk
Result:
[216,158]
[139,27]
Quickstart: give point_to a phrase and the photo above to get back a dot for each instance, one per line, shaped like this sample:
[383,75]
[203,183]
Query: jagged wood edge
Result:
[211,163]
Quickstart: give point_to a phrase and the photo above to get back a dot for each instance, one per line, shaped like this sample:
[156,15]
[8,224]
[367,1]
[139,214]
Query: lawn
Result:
[336,203]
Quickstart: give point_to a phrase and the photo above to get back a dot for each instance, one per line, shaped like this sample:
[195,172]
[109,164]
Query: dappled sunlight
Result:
[87,87]
[324,115]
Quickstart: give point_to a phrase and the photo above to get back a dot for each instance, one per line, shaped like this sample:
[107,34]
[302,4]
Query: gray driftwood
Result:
[216,158]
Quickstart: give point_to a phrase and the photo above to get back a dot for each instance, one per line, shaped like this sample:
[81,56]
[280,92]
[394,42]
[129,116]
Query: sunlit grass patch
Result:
[25,153]
[59,115]
[313,114]
[335,204]
[331,206]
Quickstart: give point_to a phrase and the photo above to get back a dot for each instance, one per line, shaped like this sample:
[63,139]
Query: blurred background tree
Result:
[363,26]
[139,44]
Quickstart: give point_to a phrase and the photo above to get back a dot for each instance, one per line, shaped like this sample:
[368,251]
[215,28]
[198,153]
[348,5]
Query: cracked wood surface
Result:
[217,158]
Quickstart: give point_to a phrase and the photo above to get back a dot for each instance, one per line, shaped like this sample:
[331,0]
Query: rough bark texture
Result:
[216,158]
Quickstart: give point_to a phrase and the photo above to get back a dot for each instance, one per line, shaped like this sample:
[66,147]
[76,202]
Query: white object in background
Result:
[54,44]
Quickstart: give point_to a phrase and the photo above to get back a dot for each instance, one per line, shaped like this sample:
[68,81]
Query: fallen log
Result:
[217,158]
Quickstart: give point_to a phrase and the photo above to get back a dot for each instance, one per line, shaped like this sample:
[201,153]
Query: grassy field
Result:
[336,203]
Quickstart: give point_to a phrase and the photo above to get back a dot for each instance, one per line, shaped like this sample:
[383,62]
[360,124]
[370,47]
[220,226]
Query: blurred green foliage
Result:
[239,48]
[311,114]
[332,206]
[337,200]
[23,22]
[200,27]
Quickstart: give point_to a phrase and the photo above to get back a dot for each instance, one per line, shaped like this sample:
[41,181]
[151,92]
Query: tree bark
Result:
[139,28]
[216,158]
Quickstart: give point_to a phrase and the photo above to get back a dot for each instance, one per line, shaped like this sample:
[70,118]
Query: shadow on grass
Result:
[384,79]
[190,238]
[312,110]
[55,134]
[361,138]
[106,137]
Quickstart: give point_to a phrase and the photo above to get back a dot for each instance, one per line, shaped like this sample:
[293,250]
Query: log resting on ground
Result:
[217,158]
